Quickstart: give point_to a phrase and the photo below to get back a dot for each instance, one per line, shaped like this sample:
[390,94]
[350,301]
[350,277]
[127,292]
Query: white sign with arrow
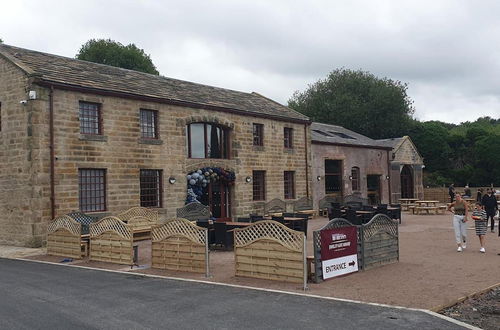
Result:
[340,266]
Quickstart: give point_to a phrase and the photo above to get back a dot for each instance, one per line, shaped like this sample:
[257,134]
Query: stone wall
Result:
[369,161]
[21,176]
[407,154]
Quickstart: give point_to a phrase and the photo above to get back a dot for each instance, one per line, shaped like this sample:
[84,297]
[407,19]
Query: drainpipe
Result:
[307,161]
[389,175]
[52,158]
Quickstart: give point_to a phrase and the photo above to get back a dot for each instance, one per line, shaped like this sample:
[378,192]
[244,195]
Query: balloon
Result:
[206,174]
[211,171]
[205,181]
[199,171]
[204,185]
[195,175]
[192,182]
[189,177]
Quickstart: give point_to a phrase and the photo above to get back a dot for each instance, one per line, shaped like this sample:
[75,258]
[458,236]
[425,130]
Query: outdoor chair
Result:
[335,205]
[243,220]
[223,237]
[255,217]
[280,220]
[368,208]
[382,209]
[289,215]
[352,217]
[355,205]
[395,214]
[334,213]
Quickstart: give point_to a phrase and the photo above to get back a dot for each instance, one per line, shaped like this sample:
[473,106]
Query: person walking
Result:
[479,195]
[489,202]
[451,192]
[480,223]
[460,210]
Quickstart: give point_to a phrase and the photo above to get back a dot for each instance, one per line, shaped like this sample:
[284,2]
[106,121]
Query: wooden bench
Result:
[407,207]
[418,209]
[310,213]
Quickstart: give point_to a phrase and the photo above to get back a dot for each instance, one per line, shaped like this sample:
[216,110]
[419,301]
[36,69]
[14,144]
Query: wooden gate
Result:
[270,250]
[111,240]
[380,242]
[180,245]
[64,238]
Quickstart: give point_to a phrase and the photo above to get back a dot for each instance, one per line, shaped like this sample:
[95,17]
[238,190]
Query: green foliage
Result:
[358,100]
[115,54]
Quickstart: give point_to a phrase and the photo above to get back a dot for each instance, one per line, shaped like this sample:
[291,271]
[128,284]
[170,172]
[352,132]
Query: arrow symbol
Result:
[352,263]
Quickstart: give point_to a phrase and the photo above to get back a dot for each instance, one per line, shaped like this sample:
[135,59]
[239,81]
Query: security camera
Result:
[23,102]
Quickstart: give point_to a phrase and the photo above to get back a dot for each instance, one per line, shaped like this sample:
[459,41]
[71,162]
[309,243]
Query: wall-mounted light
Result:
[350,177]
[248,179]
[387,177]
[171,180]
[318,178]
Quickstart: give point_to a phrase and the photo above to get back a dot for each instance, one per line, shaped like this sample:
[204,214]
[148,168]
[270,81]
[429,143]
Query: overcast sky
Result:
[447,51]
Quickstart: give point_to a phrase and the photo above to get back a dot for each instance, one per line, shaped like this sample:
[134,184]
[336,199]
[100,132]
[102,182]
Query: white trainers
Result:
[464,246]
[482,250]
[459,249]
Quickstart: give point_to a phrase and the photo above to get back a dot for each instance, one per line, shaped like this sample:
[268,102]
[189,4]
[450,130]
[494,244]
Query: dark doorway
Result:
[407,182]
[373,187]
[217,196]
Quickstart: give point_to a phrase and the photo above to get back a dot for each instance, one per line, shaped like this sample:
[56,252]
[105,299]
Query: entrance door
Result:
[406,182]
[373,187]
[218,197]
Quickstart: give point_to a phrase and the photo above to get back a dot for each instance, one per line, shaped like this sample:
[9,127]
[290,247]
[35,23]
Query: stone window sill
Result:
[259,148]
[90,137]
[150,141]
[289,151]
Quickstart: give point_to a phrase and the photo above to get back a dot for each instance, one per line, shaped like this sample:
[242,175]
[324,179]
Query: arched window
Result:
[355,178]
[206,140]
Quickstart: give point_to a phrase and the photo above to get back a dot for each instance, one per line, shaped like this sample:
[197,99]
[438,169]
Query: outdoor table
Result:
[407,202]
[426,203]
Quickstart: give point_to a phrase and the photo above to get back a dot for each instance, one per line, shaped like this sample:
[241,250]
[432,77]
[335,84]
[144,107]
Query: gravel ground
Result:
[482,311]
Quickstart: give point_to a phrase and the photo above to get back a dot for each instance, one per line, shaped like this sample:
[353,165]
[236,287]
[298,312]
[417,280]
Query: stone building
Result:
[347,163]
[76,135]
[406,168]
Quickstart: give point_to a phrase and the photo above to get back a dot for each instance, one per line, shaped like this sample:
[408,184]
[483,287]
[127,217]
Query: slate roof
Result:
[72,72]
[393,142]
[332,134]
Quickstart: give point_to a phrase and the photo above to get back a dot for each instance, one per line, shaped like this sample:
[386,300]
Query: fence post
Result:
[362,245]
[304,254]
[207,263]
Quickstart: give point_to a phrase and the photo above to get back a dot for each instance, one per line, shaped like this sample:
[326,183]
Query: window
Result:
[289,181]
[259,185]
[258,134]
[288,134]
[149,124]
[90,118]
[333,176]
[207,141]
[151,188]
[92,189]
[355,178]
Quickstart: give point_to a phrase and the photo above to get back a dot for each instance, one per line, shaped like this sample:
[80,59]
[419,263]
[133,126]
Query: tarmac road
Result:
[44,296]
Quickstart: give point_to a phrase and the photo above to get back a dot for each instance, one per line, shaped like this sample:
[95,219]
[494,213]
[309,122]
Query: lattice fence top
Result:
[181,227]
[138,211]
[303,203]
[327,200]
[272,230]
[356,199]
[65,222]
[194,211]
[380,223]
[84,219]
[140,221]
[274,206]
[332,224]
[111,224]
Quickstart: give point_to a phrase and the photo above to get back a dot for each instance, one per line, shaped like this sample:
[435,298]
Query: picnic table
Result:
[407,203]
[428,206]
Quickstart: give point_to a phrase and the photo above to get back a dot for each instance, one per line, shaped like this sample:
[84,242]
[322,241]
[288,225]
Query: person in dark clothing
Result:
[490,206]
[479,196]
[451,192]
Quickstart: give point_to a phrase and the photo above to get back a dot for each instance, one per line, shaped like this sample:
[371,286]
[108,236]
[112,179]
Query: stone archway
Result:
[407,184]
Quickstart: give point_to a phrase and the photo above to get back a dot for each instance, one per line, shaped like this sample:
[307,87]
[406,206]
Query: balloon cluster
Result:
[197,180]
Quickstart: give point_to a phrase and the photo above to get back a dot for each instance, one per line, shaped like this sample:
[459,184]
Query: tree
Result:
[358,100]
[107,51]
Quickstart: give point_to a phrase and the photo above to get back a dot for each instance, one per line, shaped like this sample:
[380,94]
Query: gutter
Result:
[389,175]
[351,145]
[52,152]
[307,160]
[97,91]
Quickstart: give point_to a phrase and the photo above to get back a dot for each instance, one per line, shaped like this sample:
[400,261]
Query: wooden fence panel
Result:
[180,245]
[380,242]
[138,212]
[111,240]
[269,250]
[64,237]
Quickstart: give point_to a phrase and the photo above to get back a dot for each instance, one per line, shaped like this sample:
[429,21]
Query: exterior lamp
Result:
[318,178]
[248,179]
[350,177]
[387,177]
[171,180]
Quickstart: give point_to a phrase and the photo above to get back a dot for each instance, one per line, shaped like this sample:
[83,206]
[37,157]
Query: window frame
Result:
[224,140]
[355,178]
[289,184]
[258,134]
[145,125]
[259,185]
[99,118]
[158,177]
[89,206]
[288,137]
[339,174]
